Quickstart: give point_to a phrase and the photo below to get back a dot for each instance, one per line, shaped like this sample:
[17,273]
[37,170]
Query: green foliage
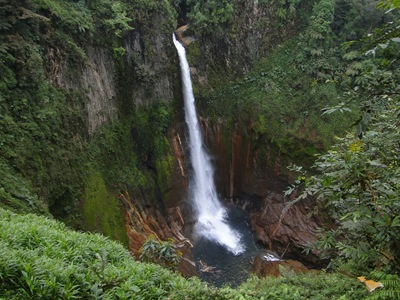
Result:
[150,127]
[282,103]
[372,73]
[322,286]
[42,259]
[355,18]
[107,220]
[358,180]
[389,4]
[36,141]
[285,9]
[119,22]
[160,252]
[319,27]
[112,153]
[17,193]
[320,44]
[72,16]
[132,154]
[208,15]
[390,289]
[149,133]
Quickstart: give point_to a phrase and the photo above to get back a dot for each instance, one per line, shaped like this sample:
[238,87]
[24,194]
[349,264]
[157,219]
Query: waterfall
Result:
[211,214]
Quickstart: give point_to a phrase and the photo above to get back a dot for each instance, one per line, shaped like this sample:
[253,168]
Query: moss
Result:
[194,53]
[101,210]
[164,171]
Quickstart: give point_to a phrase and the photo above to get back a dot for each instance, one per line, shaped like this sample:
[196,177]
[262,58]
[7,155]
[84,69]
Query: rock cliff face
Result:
[244,164]
[96,78]
[254,30]
[250,170]
[113,89]
[147,73]
[100,86]
[255,177]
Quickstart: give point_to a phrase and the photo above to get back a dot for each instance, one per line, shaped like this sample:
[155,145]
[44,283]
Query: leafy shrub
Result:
[390,289]
[42,259]
[160,252]
[358,180]
[281,101]
[109,219]
[321,286]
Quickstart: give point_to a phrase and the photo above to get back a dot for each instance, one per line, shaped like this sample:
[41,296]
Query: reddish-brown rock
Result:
[263,267]
[287,232]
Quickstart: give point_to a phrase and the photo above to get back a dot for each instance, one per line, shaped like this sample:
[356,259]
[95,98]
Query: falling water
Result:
[211,215]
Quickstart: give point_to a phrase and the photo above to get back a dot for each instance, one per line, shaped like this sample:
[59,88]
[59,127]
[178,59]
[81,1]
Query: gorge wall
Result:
[246,164]
[251,169]
[106,128]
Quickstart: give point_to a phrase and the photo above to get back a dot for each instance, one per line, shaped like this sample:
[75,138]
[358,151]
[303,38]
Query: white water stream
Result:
[211,215]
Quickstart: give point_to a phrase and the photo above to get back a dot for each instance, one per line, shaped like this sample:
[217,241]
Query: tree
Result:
[358,181]
[206,15]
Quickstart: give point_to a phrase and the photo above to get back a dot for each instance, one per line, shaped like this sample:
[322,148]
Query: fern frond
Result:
[392,284]
[390,289]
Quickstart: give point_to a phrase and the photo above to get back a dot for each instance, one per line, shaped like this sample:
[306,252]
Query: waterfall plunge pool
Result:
[219,266]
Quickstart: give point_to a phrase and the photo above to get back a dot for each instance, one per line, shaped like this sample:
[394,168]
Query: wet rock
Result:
[263,266]
[256,182]
[142,222]
[286,232]
[184,39]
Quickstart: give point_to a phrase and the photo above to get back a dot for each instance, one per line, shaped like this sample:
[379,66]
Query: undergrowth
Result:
[42,259]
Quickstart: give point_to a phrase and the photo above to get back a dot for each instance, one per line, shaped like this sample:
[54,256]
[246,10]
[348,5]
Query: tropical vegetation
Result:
[357,182]
[330,86]
[42,259]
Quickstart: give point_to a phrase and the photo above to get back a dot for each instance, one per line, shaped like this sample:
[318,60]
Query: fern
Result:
[384,294]
[391,286]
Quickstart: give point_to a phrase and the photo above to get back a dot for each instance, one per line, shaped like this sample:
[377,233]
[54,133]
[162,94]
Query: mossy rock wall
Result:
[101,211]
